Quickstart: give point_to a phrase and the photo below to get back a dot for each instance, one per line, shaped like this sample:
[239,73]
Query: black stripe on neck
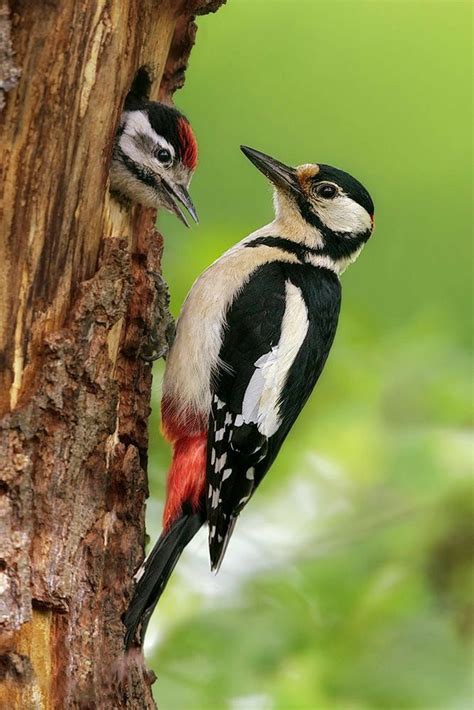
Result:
[299,250]
[339,246]
[336,245]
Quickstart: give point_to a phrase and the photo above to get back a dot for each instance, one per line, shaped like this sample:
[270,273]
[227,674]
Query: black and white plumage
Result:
[252,339]
[278,334]
[154,157]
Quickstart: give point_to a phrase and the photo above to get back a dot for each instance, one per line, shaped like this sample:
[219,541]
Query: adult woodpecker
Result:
[251,342]
[154,157]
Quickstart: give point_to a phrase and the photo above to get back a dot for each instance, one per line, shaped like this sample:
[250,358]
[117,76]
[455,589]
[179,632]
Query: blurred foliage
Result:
[347,584]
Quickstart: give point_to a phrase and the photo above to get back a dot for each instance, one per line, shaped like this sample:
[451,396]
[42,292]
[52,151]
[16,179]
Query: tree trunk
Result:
[78,298]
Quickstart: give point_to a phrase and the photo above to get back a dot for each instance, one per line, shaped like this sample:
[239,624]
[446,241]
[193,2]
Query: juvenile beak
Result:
[175,194]
[281,175]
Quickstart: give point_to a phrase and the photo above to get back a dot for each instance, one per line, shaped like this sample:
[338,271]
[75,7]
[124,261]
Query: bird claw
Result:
[152,350]
[162,330]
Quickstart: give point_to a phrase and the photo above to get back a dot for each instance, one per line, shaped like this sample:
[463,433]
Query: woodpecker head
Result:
[335,205]
[154,157]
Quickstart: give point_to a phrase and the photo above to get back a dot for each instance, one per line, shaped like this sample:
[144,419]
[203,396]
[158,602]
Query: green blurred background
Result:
[347,582]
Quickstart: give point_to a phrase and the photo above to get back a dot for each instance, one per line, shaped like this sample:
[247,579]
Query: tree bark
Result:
[79,294]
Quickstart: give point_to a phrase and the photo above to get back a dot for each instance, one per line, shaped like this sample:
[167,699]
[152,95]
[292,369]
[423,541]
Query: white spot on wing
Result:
[226,474]
[220,463]
[250,473]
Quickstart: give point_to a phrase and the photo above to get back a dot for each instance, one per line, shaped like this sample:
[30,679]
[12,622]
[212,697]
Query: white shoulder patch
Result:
[261,399]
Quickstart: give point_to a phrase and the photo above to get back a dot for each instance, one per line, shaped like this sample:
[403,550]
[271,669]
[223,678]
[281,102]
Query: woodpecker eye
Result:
[163,155]
[327,190]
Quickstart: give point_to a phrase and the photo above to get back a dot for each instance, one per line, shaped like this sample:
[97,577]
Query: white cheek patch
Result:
[129,146]
[344,215]
[136,123]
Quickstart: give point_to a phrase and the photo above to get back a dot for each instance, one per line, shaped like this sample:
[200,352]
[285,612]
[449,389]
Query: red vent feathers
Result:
[189,149]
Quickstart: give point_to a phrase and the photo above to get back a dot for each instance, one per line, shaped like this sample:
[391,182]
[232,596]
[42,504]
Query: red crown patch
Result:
[188,144]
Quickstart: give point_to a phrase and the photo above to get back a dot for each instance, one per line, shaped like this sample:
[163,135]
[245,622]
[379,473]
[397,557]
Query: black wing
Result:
[278,334]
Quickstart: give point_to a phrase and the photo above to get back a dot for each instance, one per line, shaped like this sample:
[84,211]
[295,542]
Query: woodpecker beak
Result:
[281,175]
[178,193]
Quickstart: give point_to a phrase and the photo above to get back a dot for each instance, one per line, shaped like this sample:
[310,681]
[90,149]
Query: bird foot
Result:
[162,329]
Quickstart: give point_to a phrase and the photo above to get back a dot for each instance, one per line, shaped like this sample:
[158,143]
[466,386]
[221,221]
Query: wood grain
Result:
[78,300]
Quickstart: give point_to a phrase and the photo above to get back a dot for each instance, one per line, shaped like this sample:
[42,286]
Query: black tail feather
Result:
[219,536]
[155,573]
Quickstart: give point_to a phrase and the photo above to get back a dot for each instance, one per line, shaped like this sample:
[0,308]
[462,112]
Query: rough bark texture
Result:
[79,293]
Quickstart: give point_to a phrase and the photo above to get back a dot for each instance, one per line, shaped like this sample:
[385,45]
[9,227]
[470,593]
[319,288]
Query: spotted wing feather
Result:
[226,492]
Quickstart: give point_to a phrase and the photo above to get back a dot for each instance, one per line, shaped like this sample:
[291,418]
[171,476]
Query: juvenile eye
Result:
[326,190]
[163,155]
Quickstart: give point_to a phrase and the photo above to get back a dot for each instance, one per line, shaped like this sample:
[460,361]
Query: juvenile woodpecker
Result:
[154,157]
[252,340]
